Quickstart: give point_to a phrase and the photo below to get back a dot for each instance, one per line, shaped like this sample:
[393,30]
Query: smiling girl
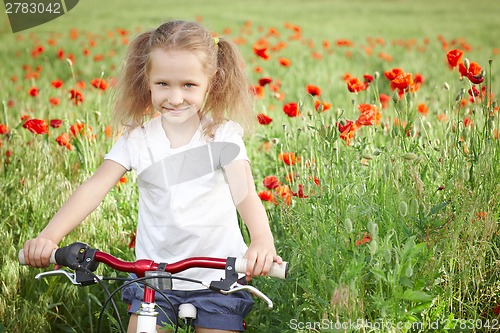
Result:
[179,95]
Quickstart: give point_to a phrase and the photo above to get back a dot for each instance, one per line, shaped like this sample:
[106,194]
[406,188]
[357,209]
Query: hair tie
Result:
[216,41]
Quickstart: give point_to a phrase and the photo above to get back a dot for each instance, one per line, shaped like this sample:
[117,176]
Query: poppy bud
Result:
[410,156]
[466,63]
[446,86]
[348,225]
[409,271]
[376,75]
[460,95]
[377,152]
[372,228]
[373,246]
[395,97]
[367,157]
[403,208]
[387,255]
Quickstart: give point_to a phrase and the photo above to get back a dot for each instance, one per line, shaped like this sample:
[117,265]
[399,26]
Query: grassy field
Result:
[384,199]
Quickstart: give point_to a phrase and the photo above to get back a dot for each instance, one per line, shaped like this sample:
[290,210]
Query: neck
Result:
[180,134]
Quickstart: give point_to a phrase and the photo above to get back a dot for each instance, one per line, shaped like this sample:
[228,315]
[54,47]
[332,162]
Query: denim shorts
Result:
[214,310]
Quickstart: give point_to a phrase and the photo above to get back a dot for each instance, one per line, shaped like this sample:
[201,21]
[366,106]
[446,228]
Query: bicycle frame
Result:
[84,261]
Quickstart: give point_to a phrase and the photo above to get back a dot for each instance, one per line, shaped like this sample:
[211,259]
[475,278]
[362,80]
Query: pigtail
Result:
[132,98]
[229,95]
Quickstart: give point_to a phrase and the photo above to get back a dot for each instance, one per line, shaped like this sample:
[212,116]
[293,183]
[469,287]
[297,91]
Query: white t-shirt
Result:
[191,218]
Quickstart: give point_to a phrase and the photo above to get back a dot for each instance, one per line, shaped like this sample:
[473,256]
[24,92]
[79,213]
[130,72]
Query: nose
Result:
[175,98]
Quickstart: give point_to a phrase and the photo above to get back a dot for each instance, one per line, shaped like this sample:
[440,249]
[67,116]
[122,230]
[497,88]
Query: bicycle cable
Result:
[143,280]
[115,308]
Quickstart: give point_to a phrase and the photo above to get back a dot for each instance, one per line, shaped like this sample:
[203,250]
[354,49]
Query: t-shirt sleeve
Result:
[119,153]
[232,132]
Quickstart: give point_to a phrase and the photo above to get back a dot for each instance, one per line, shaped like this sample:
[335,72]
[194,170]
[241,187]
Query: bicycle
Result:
[84,260]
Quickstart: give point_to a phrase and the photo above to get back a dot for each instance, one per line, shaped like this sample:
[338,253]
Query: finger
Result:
[26,252]
[32,256]
[260,264]
[251,259]
[268,263]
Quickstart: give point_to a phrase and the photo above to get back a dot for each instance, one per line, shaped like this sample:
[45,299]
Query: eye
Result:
[189,85]
[162,84]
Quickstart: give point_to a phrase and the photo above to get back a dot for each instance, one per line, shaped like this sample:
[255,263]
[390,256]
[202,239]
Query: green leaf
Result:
[415,296]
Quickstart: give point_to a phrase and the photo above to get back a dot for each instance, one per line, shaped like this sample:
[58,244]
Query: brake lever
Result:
[70,276]
[239,287]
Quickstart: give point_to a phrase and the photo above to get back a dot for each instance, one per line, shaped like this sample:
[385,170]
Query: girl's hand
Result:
[37,251]
[260,256]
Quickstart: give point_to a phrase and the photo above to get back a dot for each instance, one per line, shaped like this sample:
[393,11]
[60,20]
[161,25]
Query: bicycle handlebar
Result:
[74,255]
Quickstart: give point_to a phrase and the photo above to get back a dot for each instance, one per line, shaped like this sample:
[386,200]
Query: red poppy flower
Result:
[260,49]
[54,101]
[474,73]
[37,126]
[55,123]
[57,83]
[300,192]
[267,196]
[354,85]
[286,194]
[403,81]
[473,92]
[77,128]
[76,96]
[370,115]
[108,131]
[422,109]
[313,90]
[384,100]
[265,80]
[454,57]
[321,105]
[285,62]
[99,83]
[347,129]
[257,90]
[33,91]
[271,182]
[3,129]
[63,140]
[344,42]
[288,158]
[366,239]
[368,78]
[291,109]
[393,73]
[263,119]
[468,122]
[131,244]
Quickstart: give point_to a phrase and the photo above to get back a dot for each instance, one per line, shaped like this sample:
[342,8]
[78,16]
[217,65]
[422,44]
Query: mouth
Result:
[178,110]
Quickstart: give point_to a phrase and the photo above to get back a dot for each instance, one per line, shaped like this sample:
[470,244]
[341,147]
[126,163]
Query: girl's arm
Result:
[81,203]
[261,253]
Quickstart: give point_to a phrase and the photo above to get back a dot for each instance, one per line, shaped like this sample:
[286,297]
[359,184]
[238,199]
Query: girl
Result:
[192,168]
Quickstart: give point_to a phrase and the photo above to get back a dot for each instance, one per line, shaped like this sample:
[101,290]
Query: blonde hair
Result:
[228,95]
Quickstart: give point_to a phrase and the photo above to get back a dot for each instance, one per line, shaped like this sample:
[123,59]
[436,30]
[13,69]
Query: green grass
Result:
[430,208]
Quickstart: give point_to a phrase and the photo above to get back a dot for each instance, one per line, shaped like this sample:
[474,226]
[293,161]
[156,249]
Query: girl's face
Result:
[178,85]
